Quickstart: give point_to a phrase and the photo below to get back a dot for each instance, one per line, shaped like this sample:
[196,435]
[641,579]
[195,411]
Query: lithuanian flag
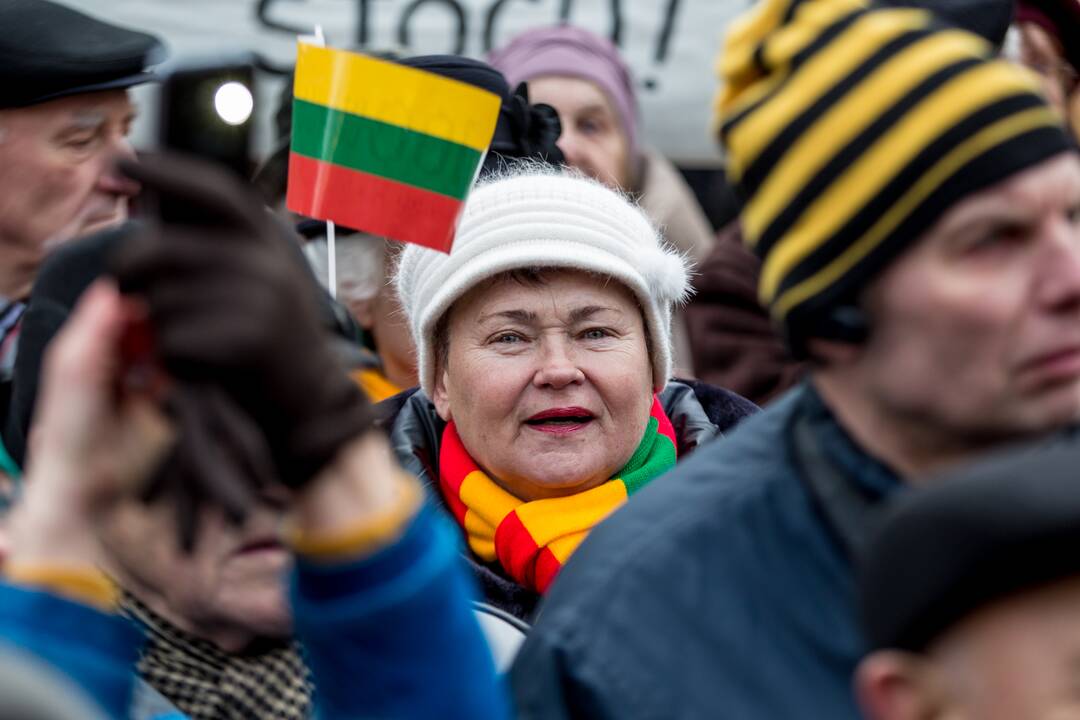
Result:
[384,148]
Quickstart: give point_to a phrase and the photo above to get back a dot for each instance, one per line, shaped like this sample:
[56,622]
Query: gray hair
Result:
[359,265]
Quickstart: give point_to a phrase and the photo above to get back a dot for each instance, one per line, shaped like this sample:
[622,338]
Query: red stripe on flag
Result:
[516,549]
[547,567]
[371,203]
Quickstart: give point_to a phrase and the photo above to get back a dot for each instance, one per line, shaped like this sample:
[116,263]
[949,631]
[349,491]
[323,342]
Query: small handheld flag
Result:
[383,148]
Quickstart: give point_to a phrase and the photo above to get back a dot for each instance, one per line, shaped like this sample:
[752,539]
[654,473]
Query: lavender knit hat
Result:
[572,52]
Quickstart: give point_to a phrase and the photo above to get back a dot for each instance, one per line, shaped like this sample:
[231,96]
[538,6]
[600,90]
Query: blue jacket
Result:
[390,636]
[722,592]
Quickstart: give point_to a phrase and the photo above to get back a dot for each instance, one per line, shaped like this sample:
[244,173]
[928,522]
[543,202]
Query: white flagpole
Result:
[331,240]
[331,259]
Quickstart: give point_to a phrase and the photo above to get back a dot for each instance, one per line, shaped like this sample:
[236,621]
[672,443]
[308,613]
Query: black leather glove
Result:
[231,306]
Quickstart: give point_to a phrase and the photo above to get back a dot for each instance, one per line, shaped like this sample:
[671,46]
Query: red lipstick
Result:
[561,421]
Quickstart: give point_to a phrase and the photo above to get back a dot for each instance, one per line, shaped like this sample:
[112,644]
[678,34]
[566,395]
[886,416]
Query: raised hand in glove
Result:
[232,306]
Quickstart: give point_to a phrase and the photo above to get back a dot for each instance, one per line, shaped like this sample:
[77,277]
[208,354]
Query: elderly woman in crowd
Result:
[544,352]
[586,80]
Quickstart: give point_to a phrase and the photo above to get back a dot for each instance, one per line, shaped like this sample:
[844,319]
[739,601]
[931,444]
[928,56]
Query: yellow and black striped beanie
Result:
[850,129]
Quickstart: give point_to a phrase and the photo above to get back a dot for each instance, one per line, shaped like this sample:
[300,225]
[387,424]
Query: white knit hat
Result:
[534,219]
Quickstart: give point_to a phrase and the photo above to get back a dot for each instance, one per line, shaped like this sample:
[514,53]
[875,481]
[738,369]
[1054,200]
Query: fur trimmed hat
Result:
[541,219]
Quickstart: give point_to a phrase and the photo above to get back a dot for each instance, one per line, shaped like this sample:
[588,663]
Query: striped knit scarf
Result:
[532,540]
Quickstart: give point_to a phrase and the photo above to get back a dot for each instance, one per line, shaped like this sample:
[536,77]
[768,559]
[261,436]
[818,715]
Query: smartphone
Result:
[205,108]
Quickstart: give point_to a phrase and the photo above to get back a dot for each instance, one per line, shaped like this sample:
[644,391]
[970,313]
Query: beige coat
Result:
[670,204]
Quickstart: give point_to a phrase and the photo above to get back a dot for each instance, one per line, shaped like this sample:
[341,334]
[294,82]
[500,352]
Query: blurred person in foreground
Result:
[583,76]
[251,417]
[970,595]
[64,116]
[916,205]
[544,352]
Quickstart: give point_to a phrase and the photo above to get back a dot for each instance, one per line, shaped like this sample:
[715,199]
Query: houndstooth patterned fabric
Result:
[270,682]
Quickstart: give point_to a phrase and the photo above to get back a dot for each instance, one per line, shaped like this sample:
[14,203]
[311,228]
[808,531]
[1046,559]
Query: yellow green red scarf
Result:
[532,540]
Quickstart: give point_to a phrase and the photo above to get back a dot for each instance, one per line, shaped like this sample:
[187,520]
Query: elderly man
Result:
[64,116]
[915,203]
[970,595]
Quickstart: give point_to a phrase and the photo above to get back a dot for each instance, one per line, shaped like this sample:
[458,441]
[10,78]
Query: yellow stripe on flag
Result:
[397,95]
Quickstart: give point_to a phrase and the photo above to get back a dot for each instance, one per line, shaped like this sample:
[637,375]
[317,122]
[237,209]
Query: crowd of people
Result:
[611,456]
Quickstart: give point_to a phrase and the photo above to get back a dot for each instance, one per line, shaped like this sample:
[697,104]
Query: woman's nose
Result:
[558,368]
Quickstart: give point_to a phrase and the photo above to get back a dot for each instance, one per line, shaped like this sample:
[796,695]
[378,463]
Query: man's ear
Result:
[896,685]
[442,396]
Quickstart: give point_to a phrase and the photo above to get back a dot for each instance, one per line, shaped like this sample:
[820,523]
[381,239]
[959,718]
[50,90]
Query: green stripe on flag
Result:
[388,151]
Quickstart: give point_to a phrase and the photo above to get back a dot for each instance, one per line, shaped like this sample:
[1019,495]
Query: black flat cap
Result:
[49,51]
[963,541]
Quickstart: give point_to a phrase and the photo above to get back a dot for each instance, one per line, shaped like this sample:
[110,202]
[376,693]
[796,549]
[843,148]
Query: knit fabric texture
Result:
[543,219]
[532,540]
[850,130]
[568,51]
[272,683]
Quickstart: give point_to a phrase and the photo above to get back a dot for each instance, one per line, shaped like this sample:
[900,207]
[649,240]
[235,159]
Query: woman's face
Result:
[549,382]
[593,138]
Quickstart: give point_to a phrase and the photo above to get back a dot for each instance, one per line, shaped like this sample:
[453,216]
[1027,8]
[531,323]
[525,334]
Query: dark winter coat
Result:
[725,591]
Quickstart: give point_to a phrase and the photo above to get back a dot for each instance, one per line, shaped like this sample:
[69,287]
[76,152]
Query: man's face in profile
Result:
[57,180]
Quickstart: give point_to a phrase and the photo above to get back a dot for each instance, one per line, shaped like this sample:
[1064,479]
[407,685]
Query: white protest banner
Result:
[671,45]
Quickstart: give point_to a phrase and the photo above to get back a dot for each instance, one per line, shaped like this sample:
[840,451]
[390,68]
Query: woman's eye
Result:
[507,339]
[590,127]
[596,334]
